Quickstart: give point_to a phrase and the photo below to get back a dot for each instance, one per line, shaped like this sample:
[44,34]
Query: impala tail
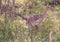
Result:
[22,16]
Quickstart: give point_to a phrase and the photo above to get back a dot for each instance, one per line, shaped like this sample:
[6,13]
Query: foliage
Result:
[14,29]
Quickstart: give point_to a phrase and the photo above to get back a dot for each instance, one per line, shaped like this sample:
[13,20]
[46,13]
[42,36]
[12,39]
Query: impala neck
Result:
[45,10]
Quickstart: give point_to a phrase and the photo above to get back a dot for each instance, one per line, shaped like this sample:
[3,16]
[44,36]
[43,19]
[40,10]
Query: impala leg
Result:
[40,30]
[30,33]
[31,39]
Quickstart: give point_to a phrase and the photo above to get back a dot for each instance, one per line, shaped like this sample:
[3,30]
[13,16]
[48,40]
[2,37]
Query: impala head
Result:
[47,8]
